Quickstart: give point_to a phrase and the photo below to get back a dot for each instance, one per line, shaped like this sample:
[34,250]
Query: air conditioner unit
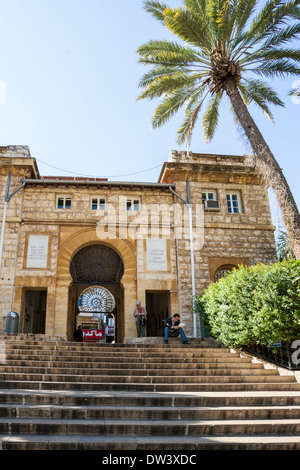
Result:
[211,205]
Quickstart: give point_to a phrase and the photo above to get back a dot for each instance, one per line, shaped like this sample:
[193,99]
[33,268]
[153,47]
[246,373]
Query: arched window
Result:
[96,299]
[97,264]
[223,271]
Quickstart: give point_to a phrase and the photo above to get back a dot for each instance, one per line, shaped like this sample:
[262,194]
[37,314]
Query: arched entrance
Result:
[96,293]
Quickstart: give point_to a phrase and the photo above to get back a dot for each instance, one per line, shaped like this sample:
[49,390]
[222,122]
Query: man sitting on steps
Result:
[173,329]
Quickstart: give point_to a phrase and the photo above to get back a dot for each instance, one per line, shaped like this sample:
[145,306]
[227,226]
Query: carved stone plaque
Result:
[157,255]
[37,251]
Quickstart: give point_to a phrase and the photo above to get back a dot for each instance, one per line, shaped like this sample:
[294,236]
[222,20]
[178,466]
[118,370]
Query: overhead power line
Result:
[93,176]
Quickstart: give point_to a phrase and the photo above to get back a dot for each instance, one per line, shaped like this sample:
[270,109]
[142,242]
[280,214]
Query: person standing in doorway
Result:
[78,335]
[140,316]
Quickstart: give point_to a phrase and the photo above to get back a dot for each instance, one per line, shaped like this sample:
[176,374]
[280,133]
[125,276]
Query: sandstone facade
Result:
[50,220]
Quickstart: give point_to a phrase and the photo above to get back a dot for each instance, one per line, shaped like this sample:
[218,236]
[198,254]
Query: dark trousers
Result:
[174,333]
[140,329]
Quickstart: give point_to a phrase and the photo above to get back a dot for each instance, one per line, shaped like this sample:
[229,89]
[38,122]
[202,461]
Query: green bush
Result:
[251,305]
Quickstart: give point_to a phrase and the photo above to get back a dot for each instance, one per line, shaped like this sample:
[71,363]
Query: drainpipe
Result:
[7,199]
[188,204]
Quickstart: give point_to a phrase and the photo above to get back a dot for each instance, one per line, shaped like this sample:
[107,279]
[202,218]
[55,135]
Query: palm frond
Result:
[272,17]
[211,117]
[282,36]
[188,27]
[295,92]
[191,115]
[172,102]
[260,93]
[258,88]
[272,54]
[218,11]
[199,9]
[168,84]
[160,72]
[156,9]
[268,23]
[243,12]
[169,53]
[284,249]
[276,68]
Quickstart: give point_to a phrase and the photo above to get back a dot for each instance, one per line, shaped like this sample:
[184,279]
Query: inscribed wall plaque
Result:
[157,255]
[37,251]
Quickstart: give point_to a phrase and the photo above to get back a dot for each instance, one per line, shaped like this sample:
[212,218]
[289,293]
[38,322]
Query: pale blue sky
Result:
[71,74]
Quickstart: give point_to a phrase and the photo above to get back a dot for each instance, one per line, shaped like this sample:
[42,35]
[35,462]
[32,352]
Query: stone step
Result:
[134,427]
[58,395]
[168,352]
[131,445]
[139,365]
[148,412]
[98,398]
[146,342]
[99,352]
[123,362]
[117,357]
[174,344]
[51,376]
[140,371]
[148,387]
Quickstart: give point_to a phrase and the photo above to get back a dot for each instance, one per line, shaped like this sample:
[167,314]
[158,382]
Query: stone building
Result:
[84,250]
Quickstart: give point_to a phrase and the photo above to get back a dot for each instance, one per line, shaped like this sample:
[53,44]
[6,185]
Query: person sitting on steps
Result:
[174,329]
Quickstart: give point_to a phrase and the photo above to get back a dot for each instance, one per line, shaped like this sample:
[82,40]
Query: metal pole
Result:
[192,254]
[4,218]
[7,199]
[188,204]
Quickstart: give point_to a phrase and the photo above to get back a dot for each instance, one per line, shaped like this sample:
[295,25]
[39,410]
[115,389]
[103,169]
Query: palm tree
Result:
[284,250]
[227,48]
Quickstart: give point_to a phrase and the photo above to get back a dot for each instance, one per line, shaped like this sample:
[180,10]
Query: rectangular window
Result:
[63,202]
[209,195]
[133,204]
[234,203]
[98,203]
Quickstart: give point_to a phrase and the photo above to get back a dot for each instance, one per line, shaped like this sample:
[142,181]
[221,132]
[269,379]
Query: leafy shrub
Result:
[251,305]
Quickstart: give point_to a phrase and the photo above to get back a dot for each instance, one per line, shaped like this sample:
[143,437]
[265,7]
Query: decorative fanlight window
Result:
[97,264]
[222,272]
[96,299]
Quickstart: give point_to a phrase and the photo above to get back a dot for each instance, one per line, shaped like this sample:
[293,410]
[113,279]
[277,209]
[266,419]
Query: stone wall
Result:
[15,164]
[220,238]
[227,240]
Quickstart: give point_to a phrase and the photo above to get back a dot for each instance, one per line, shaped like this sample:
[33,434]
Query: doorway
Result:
[35,311]
[157,306]
[97,271]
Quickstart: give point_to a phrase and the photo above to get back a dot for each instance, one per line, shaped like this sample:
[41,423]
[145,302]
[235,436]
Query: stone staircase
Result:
[56,395]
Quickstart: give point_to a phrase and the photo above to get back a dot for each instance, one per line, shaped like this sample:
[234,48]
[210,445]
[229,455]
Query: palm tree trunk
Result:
[268,167]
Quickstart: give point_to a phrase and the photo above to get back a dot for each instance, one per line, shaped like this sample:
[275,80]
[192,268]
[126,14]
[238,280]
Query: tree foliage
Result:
[226,48]
[219,40]
[254,305]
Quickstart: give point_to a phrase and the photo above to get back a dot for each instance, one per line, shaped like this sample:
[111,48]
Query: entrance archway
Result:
[96,293]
